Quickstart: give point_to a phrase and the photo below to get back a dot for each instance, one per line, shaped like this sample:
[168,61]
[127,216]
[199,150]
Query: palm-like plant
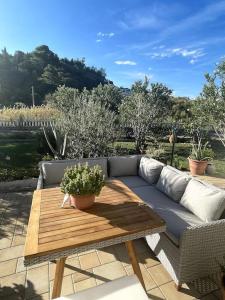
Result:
[200,151]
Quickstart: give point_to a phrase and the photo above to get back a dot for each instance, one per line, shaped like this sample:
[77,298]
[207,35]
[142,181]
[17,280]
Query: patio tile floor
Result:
[82,271]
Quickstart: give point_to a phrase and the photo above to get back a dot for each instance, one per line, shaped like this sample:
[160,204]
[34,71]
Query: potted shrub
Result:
[82,183]
[199,157]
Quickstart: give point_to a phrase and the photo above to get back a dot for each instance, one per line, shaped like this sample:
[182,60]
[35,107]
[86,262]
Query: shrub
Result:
[18,174]
[83,180]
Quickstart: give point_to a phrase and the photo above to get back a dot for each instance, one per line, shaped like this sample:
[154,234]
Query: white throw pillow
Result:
[205,201]
[172,183]
[150,169]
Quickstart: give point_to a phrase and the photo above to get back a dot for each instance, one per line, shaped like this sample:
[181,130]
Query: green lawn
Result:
[23,150]
[181,152]
[19,155]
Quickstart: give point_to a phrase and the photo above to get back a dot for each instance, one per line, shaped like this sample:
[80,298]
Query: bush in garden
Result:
[88,124]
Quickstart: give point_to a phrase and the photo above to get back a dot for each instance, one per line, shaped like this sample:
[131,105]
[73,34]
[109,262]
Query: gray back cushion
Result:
[204,200]
[123,166]
[53,171]
[172,183]
[150,169]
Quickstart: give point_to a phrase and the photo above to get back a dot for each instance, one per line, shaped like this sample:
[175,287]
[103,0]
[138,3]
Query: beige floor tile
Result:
[72,256]
[106,255]
[9,229]
[18,240]
[84,284]
[88,261]
[67,286]
[44,296]
[82,275]
[148,259]
[159,274]
[109,272]
[155,294]
[37,279]
[148,281]
[8,285]
[5,242]
[71,266]
[20,265]
[19,229]
[86,252]
[14,252]
[170,292]
[141,246]
[121,254]
[8,267]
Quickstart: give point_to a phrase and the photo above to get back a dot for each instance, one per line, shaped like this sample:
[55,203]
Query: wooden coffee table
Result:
[54,233]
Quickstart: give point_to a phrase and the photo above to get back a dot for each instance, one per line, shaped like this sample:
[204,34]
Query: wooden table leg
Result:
[133,258]
[59,270]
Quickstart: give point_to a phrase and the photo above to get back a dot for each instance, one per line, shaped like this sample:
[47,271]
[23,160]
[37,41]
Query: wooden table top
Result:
[116,214]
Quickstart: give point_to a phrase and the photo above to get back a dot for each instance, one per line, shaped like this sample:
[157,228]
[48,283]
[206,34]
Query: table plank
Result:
[31,243]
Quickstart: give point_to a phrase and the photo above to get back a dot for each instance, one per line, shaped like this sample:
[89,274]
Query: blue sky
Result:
[173,42]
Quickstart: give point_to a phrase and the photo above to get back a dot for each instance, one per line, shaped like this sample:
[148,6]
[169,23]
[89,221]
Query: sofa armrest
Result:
[201,247]
[40,182]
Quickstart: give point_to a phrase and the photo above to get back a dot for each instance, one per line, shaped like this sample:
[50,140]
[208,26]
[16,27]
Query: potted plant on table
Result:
[199,157]
[82,183]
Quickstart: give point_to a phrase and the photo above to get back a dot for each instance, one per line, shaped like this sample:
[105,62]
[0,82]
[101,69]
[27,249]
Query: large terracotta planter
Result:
[82,202]
[197,167]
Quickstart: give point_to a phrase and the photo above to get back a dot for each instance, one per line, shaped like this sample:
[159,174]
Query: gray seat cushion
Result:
[172,183]
[133,181]
[150,169]
[204,200]
[123,165]
[177,217]
[53,171]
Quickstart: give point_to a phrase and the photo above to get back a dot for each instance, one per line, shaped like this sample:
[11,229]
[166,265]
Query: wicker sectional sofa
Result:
[194,241]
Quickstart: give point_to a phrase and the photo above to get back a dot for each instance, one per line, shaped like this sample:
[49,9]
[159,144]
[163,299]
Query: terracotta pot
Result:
[197,167]
[82,202]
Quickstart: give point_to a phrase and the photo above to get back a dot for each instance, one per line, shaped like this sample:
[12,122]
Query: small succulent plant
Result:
[83,180]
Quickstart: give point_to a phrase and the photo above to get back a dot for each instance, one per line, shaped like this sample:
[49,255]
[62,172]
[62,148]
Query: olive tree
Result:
[211,104]
[87,123]
[108,95]
[143,107]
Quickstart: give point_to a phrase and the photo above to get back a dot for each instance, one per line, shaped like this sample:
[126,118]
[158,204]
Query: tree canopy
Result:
[146,105]
[43,70]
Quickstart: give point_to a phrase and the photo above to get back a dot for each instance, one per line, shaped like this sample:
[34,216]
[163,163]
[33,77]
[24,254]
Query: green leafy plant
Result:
[7,174]
[201,152]
[180,162]
[156,152]
[83,180]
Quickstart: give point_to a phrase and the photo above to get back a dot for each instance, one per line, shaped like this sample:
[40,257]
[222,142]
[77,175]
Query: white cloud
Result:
[98,40]
[125,62]
[193,54]
[102,34]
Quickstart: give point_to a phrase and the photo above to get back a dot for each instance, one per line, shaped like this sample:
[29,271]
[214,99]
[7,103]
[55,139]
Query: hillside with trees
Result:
[43,70]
